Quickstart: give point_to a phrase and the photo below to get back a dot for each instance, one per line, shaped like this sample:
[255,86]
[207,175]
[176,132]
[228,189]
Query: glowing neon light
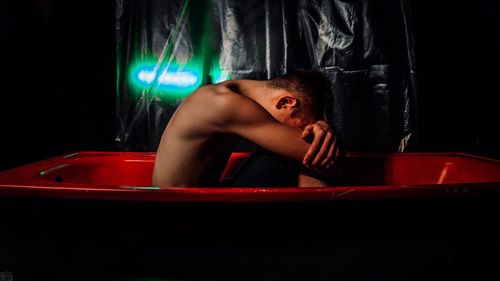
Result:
[177,79]
[173,82]
[146,76]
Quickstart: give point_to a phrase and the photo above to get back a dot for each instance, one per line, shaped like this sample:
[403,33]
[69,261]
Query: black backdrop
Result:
[458,45]
[58,79]
[365,49]
[59,92]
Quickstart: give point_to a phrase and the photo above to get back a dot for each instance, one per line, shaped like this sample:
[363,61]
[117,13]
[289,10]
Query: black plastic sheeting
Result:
[365,47]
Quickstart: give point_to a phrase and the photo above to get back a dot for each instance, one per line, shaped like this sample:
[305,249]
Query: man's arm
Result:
[254,123]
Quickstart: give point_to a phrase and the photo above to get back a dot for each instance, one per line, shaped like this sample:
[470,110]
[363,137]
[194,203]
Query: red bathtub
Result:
[94,216]
[127,176]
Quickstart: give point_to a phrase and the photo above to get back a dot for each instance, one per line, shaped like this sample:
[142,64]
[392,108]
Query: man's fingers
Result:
[319,135]
[337,155]
[320,156]
[307,132]
[331,153]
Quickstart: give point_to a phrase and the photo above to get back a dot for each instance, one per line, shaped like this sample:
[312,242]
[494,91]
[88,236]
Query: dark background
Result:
[58,77]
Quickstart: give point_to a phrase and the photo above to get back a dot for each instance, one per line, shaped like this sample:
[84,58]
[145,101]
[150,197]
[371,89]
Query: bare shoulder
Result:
[216,97]
[225,106]
[207,101]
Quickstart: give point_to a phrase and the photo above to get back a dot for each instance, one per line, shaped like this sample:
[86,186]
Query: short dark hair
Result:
[312,88]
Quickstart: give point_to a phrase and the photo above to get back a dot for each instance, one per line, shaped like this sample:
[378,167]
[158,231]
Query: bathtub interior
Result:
[358,169]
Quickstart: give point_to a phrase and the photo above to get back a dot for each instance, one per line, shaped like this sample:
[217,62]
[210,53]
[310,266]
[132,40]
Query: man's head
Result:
[300,97]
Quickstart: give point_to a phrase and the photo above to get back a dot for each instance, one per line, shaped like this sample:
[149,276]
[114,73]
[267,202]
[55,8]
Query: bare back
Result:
[193,150]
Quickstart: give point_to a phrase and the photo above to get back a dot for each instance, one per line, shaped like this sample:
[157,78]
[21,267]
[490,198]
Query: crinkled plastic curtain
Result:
[167,48]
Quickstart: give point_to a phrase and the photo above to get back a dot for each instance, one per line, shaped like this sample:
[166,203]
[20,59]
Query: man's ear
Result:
[287,101]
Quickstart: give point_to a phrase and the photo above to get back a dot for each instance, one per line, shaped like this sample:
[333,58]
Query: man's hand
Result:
[324,149]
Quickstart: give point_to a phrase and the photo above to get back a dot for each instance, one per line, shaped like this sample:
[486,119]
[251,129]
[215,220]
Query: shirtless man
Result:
[199,138]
